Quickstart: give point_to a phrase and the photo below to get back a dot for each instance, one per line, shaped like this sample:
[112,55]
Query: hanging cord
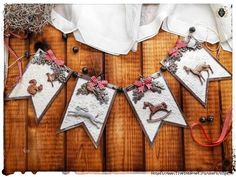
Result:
[227,126]
[218,49]
[17,58]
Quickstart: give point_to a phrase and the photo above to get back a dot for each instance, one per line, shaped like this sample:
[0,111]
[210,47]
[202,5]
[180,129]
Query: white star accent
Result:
[175,117]
[41,100]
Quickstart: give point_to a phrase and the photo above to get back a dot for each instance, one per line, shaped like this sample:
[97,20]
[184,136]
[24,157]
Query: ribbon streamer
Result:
[224,133]
[50,56]
[19,63]
[179,44]
[18,59]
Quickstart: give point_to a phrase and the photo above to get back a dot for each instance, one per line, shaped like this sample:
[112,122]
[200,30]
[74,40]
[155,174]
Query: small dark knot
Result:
[119,89]
[27,54]
[202,119]
[192,29]
[41,45]
[64,36]
[85,70]
[75,49]
[210,118]
[163,68]
[74,74]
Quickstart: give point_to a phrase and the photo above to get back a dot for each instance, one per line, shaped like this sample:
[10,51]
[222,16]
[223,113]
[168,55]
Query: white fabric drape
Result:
[116,29]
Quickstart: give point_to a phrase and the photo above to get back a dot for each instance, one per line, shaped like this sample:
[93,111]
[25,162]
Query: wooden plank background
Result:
[123,147]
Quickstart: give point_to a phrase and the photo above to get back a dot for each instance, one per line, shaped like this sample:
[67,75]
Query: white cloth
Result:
[209,25]
[116,29]
[185,16]
[6,58]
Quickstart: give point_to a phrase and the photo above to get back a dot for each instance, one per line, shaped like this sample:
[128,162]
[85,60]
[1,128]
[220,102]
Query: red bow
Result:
[142,83]
[179,44]
[50,56]
[96,82]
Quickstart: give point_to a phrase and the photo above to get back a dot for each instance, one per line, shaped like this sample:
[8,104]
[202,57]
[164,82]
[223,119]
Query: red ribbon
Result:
[224,133]
[141,84]
[96,82]
[178,45]
[50,56]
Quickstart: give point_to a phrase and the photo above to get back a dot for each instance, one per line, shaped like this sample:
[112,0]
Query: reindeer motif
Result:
[154,109]
[198,69]
[83,112]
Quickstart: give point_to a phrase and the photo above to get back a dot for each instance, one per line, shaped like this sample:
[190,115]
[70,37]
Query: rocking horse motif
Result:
[154,109]
[198,69]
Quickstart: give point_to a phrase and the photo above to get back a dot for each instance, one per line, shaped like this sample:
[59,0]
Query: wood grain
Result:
[15,118]
[45,145]
[167,151]
[124,137]
[226,101]
[123,147]
[81,155]
[199,158]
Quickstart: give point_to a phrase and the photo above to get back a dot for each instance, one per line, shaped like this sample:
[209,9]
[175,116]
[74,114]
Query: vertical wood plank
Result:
[167,151]
[226,102]
[199,158]
[124,137]
[81,153]
[15,116]
[45,145]
[124,148]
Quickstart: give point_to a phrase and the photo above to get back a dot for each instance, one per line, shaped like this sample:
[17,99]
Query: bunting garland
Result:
[150,98]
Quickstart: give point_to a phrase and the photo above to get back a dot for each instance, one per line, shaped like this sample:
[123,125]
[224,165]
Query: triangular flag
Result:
[194,67]
[89,106]
[154,105]
[41,82]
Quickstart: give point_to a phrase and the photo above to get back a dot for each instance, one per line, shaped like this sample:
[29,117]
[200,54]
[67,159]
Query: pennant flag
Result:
[41,82]
[89,106]
[153,104]
[194,66]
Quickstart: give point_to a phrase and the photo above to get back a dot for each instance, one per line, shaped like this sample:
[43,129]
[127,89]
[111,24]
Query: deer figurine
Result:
[198,69]
[83,112]
[154,109]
